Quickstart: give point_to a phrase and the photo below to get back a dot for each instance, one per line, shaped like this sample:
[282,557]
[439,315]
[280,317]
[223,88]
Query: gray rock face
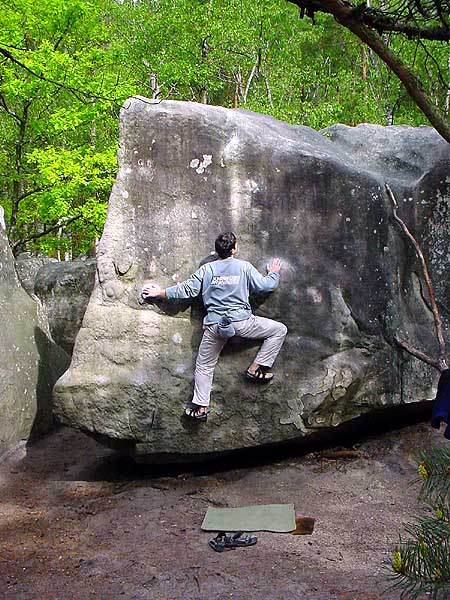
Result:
[64,288]
[30,361]
[28,265]
[349,283]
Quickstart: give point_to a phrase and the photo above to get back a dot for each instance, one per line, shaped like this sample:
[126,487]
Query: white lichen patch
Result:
[201,166]
[253,186]
[314,294]
[177,339]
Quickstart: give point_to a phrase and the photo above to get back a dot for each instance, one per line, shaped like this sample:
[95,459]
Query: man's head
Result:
[225,244]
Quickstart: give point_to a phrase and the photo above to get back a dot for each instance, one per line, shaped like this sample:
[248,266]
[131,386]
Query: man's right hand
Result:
[274,266]
[153,290]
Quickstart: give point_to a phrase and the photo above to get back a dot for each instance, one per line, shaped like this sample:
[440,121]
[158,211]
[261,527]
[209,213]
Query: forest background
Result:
[66,66]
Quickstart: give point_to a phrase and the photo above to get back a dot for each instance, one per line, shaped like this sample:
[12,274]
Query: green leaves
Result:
[421,563]
[61,84]
[74,182]
[66,66]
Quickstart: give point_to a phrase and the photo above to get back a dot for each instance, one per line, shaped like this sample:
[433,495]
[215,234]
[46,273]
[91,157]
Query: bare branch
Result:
[232,51]
[14,47]
[268,91]
[75,92]
[436,64]
[380,22]
[154,86]
[249,81]
[442,361]
[65,31]
[20,243]
[418,354]
[31,192]
[239,89]
[8,110]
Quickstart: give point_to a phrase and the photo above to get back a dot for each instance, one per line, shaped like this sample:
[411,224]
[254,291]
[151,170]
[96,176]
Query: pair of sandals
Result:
[229,541]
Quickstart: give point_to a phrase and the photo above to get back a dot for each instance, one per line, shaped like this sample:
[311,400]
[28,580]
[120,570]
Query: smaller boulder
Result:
[27,266]
[64,288]
[30,361]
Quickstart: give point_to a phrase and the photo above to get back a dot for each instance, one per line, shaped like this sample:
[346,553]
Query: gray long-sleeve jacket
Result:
[225,286]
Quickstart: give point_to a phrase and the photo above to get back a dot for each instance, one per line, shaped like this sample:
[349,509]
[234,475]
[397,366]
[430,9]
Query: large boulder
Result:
[349,283]
[30,361]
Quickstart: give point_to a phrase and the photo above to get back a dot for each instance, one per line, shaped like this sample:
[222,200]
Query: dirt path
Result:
[79,522]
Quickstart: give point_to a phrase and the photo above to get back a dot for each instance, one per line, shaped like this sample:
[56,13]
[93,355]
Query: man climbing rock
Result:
[225,285]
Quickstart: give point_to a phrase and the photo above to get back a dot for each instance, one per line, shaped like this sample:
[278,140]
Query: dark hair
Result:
[225,243]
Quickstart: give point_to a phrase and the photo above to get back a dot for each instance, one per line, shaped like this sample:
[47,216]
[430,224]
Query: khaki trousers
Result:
[272,332]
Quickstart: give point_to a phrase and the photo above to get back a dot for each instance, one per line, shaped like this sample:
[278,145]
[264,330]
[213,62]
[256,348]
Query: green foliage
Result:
[58,111]
[421,563]
[434,470]
[75,61]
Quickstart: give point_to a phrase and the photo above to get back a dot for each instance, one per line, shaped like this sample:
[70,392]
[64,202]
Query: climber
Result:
[225,285]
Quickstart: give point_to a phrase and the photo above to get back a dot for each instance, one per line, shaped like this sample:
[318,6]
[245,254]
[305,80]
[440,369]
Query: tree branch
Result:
[64,32]
[383,23]
[344,14]
[442,361]
[249,81]
[379,20]
[436,64]
[8,110]
[20,243]
[418,354]
[268,91]
[31,192]
[76,92]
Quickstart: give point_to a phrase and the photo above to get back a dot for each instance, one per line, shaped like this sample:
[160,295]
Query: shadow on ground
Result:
[78,521]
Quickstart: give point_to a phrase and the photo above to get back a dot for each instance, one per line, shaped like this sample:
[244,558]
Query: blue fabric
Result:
[225,286]
[441,406]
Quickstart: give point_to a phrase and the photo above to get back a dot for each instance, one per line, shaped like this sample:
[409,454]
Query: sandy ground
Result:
[78,522]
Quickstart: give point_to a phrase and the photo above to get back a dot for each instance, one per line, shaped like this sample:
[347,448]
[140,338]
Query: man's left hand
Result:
[274,266]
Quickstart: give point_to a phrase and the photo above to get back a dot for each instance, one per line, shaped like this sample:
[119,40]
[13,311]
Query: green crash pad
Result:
[279,518]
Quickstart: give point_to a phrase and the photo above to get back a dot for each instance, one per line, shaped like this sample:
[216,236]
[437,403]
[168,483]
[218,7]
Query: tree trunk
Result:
[18,184]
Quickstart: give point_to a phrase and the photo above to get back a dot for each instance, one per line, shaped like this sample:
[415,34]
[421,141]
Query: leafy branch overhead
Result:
[67,65]
[419,19]
[424,19]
